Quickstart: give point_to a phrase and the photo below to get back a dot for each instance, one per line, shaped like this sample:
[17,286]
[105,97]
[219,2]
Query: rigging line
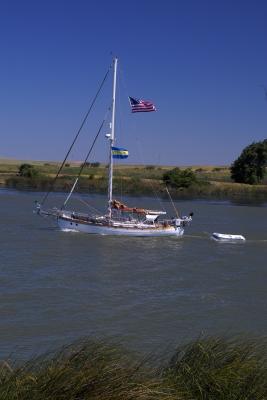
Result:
[77,134]
[175,209]
[120,95]
[87,156]
[89,205]
[70,193]
[125,89]
[265,91]
[124,84]
[120,127]
[149,181]
[119,109]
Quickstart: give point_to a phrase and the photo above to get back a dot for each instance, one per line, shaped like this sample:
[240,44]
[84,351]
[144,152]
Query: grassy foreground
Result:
[213,182]
[210,368]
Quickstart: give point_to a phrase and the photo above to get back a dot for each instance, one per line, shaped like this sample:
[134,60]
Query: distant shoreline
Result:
[134,180]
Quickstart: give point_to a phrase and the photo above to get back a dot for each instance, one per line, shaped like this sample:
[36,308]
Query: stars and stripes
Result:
[141,105]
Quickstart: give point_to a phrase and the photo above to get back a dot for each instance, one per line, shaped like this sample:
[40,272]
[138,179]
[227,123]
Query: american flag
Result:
[141,105]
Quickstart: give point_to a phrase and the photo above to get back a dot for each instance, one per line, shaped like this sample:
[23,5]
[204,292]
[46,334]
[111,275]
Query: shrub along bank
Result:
[136,180]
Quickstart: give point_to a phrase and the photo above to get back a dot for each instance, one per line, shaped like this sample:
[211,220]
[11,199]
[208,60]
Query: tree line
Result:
[248,168]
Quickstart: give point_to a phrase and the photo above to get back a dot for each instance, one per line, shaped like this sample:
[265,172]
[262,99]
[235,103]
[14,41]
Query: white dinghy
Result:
[226,237]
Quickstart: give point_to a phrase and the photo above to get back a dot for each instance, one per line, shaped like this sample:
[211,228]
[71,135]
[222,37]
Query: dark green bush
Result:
[28,171]
[250,166]
[178,178]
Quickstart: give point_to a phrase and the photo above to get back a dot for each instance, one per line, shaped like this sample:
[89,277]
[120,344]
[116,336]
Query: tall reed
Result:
[211,368]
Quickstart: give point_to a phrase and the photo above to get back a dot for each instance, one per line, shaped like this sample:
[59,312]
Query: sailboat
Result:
[119,219]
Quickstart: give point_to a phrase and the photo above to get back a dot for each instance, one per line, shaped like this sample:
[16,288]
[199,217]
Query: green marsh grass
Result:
[210,368]
[137,180]
[215,368]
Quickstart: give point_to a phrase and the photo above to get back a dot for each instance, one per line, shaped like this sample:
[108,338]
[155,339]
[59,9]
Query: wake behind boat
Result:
[119,219]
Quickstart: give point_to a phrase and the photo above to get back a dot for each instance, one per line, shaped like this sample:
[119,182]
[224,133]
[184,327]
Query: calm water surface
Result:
[150,292]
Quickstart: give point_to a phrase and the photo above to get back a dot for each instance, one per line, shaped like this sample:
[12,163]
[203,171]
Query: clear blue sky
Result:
[201,62]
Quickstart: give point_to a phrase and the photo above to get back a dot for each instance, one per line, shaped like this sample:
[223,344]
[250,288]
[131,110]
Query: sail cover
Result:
[117,205]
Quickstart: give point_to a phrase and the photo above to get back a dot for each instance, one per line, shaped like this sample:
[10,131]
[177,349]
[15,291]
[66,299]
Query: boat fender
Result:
[177,222]
[38,207]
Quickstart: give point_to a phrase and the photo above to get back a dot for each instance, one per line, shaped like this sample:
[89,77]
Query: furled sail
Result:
[117,205]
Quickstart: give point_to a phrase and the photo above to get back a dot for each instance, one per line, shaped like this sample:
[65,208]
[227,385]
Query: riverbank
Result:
[136,180]
[209,368]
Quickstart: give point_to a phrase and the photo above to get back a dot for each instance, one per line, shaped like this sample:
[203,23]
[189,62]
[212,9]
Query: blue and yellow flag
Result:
[119,152]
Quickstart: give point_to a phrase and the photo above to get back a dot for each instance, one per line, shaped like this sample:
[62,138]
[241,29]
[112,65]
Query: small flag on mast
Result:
[119,153]
[141,105]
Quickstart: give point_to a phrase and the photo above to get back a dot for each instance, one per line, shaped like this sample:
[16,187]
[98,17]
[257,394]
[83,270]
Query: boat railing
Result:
[75,214]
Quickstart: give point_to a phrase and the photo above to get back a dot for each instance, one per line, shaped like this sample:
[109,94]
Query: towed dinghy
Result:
[226,237]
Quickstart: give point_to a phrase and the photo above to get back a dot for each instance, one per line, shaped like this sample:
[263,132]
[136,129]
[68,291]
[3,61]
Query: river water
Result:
[56,287]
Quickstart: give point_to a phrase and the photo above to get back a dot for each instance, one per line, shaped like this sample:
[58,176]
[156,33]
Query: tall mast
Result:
[112,138]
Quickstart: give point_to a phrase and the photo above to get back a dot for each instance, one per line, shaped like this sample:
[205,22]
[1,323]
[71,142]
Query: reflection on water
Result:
[57,286]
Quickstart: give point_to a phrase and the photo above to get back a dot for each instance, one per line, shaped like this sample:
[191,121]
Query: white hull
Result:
[77,226]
